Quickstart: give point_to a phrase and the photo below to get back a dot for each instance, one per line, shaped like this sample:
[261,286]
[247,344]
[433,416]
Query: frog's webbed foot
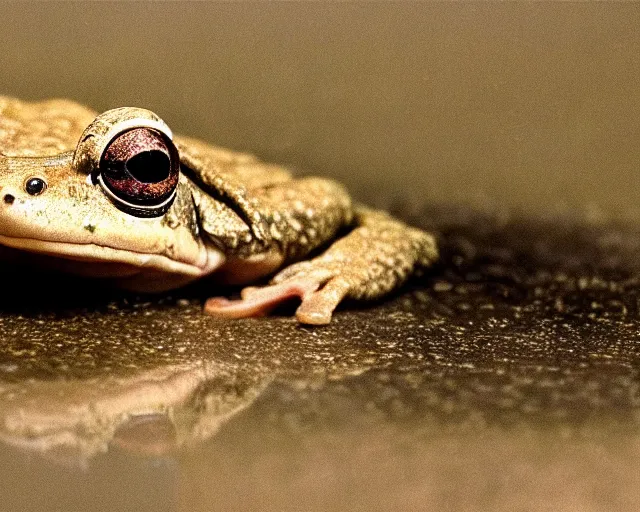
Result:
[319,289]
[373,259]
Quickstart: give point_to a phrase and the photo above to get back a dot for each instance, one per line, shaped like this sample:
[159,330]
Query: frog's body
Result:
[77,192]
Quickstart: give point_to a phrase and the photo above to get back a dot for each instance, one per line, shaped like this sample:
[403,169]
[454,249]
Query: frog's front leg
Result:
[376,256]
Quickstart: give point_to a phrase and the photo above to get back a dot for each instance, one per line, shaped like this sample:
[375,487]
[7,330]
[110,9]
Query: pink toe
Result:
[259,302]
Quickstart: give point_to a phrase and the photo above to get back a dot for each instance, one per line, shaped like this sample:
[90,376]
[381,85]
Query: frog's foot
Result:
[369,262]
[320,290]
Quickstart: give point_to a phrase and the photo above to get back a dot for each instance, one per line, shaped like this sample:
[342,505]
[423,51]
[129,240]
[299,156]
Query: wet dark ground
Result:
[506,378]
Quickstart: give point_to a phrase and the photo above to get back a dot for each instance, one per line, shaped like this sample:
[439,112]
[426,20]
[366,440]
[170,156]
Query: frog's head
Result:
[116,206]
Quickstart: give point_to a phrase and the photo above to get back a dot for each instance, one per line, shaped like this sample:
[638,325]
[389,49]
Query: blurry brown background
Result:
[532,105]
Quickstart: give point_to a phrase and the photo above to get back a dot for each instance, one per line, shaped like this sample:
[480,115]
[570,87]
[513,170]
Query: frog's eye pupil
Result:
[35,186]
[149,166]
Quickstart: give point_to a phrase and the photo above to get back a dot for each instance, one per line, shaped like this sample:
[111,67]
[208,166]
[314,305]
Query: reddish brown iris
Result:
[141,166]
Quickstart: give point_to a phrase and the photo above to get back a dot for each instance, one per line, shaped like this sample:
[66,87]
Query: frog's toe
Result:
[259,301]
[317,307]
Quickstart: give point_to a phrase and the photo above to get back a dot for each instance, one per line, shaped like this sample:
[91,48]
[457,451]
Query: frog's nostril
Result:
[9,199]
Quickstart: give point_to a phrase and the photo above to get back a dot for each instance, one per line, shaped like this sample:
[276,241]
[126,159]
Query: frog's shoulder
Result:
[208,162]
[42,128]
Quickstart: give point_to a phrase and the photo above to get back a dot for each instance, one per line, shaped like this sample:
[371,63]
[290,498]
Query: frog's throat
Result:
[210,259]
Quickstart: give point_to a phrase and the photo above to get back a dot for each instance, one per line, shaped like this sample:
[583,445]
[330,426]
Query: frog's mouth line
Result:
[92,253]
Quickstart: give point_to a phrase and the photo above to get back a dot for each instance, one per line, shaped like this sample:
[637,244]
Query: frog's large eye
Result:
[139,169]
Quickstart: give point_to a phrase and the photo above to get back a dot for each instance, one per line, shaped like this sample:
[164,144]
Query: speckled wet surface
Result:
[506,378]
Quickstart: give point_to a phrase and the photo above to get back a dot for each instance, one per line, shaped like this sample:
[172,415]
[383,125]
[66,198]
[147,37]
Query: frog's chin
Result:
[132,270]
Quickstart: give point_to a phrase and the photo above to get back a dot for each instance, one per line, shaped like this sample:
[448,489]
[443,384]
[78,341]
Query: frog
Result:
[116,196]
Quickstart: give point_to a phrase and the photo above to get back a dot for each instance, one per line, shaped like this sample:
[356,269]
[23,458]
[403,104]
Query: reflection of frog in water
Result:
[149,412]
[117,196]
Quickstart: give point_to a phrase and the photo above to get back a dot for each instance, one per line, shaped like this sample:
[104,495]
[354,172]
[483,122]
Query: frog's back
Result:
[44,128]
[50,127]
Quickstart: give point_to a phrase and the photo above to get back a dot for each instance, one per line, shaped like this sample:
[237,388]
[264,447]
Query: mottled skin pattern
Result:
[233,215]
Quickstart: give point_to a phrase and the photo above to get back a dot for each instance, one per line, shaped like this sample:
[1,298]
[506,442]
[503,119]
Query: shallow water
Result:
[504,379]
